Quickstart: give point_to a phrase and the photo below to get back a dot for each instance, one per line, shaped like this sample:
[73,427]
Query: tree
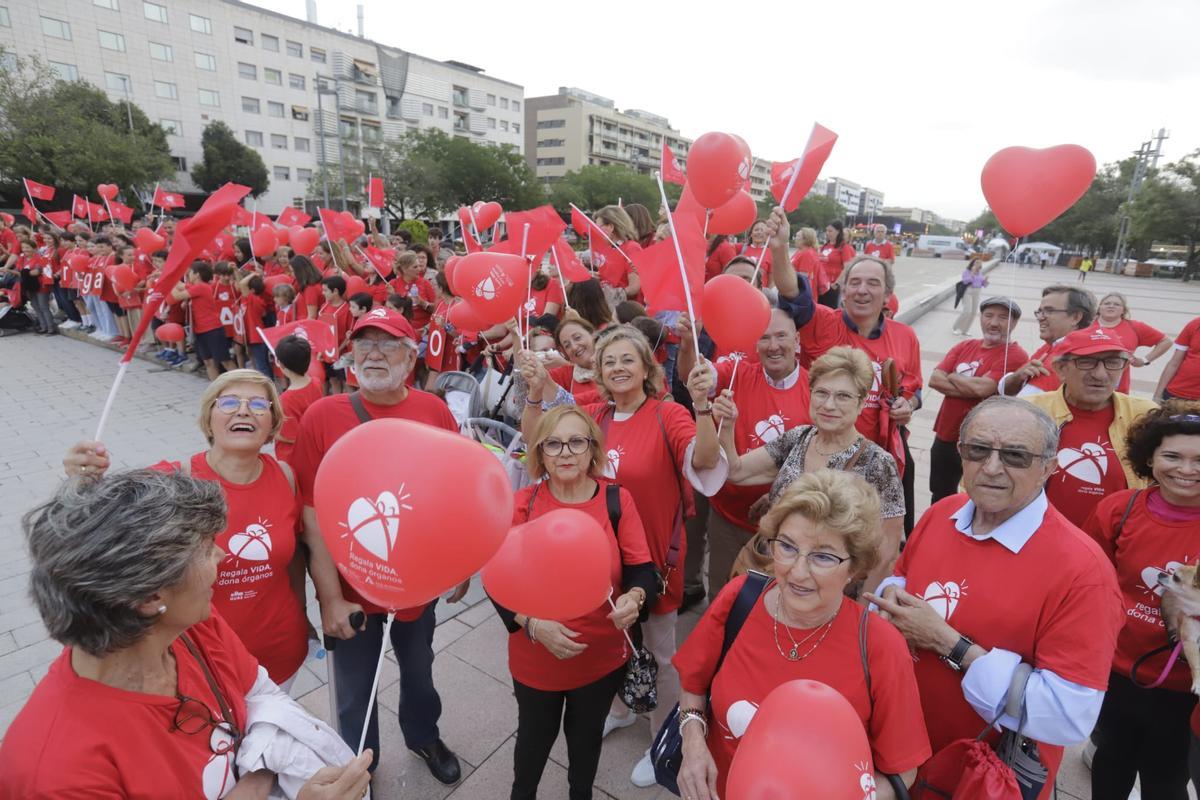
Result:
[1168,210]
[71,136]
[815,211]
[594,187]
[227,160]
[987,222]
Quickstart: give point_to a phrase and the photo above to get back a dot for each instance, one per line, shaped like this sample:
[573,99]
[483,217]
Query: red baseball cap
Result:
[385,319]
[1089,342]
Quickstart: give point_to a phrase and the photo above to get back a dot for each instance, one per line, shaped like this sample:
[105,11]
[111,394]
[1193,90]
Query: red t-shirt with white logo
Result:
[552,293]
[332,417]
[1147,547]
[882,250]
[226,298]
[419,289]
[828,329]
[77,737]
[972,359]
[808,263]
[1089,469]
[764,414]
[1055,603]
[534,665]
[584,392]
[1045,383]
[753,667]
[206,316]
[1186,382]
[639,459]
[1133,334]
[834,259]
[295,402]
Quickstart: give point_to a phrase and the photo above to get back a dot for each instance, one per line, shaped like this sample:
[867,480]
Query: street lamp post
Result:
[321,134]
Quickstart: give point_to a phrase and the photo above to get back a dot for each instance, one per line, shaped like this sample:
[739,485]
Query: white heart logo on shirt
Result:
[769,429]
[965,369]
[252,544]
[943,597]
[375,524]
[614,461]
[738,717]
[1089,463]
[866,782]
[1150,576]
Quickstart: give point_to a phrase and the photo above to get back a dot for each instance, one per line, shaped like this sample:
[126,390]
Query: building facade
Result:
[299,93]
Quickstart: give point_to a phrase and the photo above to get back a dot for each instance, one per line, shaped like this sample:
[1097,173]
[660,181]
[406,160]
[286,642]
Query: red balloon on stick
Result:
[572,557]
[354,285]
[717,167]
[486,214]
[403,531]
[735,314]
[169,332]
[148,241]
[123,277]
[805,740]
[449,269]
[264,241]
[304,240]
[282,234]
[78,260]
[107,190]
[1028,189]
[735,216]
[494,284]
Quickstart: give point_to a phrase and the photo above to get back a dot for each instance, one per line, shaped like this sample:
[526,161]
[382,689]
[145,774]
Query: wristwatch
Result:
[956,655]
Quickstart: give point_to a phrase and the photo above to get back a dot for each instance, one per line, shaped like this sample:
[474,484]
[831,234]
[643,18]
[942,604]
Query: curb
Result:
[149,359]
[934,298]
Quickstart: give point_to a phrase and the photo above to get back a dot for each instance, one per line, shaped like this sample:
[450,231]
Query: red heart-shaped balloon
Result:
[148,241]
[486,214]
[264,241]
[735,314]
[107,190]
[282,234]
[1028,189]
[465,320]
[304,240]
[493,284]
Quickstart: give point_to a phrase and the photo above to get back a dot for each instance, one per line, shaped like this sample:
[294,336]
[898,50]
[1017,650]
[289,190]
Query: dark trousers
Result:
[1142,733]
[909,484]
[62,298]
[696,530]
[258,356]
[831,298]
[539,714]
[945,470]
[354,665]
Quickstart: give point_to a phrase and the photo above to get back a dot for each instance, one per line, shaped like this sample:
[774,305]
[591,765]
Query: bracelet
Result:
[704,412]
[688,716]
[531,629]
[529,401]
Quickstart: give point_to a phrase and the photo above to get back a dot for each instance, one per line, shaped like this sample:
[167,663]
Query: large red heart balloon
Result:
[465,320]
[264,241]
[717,167]
[486,214]
[449,268]
[735,314]
[493,284]
[123,277]
[738,214]
[78,260]
[571,556]
[148,241]
[404,530]
[805,740]
[107,190]
[1028,189]
[304,240]
[169,332]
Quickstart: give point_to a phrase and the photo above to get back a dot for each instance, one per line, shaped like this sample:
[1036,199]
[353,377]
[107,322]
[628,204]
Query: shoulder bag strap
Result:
[862,651]
[1128,509]
[226,710]
[532,497]
[743,604]
[360,410]
[606,416]
[612,498]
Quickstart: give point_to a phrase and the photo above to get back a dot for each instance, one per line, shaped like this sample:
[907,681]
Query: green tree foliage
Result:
[418,229]
[1167,210]
[813,212]
[594,187]
[72,137]
[228,160]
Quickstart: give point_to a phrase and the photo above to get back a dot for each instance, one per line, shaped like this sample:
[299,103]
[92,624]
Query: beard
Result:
[375,381]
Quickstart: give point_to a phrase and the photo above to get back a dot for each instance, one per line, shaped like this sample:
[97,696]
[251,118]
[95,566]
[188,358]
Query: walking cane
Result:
[357,620]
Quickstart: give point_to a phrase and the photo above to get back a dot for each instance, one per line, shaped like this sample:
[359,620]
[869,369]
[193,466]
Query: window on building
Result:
[66,72]
[372,133]
[516,105]
[112,41]
[427,109]
[491,123]
[283,173]
[56,28]
[491,99]
[503,102]
[443,112]
[117,82]
[303,174]
[247,71]
[209,98]
[551,162]
[206,62]
[200,24]
[111,5]
[301,144]
[180,163]
[300,113]
[296,81]
[154,12]
[5,22]
[365,102]
[348,128]
[551,142]
[165,90]
[172,127]
[316,54]
[273,76]
[503,124]
[278,141]
[270,43]
[295,49]
[161,52]
[275,109]
[254,138]
[251,105]
[243,36]
[460,96]
[551,123]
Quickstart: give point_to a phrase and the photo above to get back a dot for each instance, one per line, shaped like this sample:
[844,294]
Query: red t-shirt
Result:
[584,392]
[311,298]
[330,418]
[1055,603]
[553,293]
[616,269]
[761,256]
[226,298]
[206,316]
[882,250]
[639,459]
[253,308]
[808,263]
[834,259]
[9,241]
[295,402]
[764,414]
[715,263]
[534,665]
[972,359]
[342,322]
[1045,383]
[1133,334]
[419,289]
[1088,468]
[1186,382]
[895,340]
[95,281]
[753,667]
[1146,547]
[76,737]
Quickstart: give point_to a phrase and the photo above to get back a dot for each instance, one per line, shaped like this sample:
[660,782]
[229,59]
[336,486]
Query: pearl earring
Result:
[162,610]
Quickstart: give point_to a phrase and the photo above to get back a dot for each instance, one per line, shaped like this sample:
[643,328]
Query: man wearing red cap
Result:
[1092,418]
[384,349]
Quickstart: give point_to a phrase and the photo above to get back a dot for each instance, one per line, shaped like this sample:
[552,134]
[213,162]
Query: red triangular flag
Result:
[79,207]
[382,260]
[689,206]
[258,220]
[672,172]
[167,200]
[60,218]
[337,227]
[375,193]
[121,211]
[38,191]
[292,217]
[801,174]
[658,268]
[568,262]
[580,222]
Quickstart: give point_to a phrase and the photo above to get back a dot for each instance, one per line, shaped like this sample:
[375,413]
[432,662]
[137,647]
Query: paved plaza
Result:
[53,388]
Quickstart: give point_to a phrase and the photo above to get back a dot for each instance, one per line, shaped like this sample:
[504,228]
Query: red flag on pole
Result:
[319,335]
[258,220]
[545,226]
[97,212]
[375,193]
[791,181]
[580,222]
[167,200]
[79,207]
[38,191]
[29,211]
[470,239]
[292,216]
[689,206]
[338,225]
[382,260]
[658,267]
[121,212]
[568,262]
[672,172]
[241,217]
[60,218]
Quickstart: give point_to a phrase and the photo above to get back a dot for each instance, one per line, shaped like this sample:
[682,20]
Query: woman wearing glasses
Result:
[239,414]
[839,382]
[151,694]
[822,534]
[1148,534]
[576,663]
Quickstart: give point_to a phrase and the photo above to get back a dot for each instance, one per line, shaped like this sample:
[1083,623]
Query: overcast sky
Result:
[920,94]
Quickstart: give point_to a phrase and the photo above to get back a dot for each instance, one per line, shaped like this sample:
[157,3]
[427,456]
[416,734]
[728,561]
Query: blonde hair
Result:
[623,228]
[838,501]
[405,260]
[534,461]
[227,379]
[807,237]
[627,333]
[849,361]
[1119,296]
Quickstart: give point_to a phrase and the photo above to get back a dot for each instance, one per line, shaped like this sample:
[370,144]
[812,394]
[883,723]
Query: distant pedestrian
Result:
[1085,267]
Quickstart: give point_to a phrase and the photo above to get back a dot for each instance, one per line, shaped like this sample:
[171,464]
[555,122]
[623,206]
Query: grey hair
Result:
[100,548]
[1044,420]
[889,275]
[1079,301]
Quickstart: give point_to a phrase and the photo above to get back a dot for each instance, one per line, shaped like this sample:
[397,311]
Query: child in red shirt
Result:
[293,354]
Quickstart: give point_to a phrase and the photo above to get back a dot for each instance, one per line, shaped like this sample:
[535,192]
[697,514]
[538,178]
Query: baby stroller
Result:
[506,444]
[462,395]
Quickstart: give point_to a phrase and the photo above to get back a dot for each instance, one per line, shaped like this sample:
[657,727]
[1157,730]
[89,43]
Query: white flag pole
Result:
[599,230]
[562,283]
[687,287]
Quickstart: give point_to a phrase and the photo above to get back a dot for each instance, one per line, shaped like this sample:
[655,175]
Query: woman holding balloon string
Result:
[823,534]
[577,663]
[652,447]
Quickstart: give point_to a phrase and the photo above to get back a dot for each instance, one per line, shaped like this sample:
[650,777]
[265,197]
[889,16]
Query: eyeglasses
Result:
[1045,312]
[821,397]
[1009,456]
[228,404]
[193,717]
[576,445]
[784,552]
[386,346]
[1089,363]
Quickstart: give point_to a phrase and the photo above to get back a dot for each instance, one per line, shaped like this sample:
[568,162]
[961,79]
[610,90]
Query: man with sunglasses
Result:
[1092,418]
[1063,309]
[998,579]
[384,348]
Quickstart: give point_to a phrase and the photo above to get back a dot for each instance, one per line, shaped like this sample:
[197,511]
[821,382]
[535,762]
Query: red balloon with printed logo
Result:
[738,214]
[493,284]
[304,240]
[486,214]
[169,332]
[717,167]
[735,314]
[804,740]
[569,553]
[1028,189]
[404,530]
[264,241]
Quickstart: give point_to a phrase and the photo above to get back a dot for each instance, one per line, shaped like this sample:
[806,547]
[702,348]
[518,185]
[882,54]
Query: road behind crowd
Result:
[53,387]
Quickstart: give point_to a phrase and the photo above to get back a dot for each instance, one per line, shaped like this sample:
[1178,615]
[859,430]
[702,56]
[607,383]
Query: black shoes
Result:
[442,764]
[691,599]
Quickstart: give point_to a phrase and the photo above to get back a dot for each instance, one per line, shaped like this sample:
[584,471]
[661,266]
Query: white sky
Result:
[920,94]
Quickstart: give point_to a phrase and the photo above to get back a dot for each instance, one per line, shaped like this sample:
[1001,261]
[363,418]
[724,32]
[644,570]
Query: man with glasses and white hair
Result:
[384,348]
[1092,419]
[1063,309]
[998,579]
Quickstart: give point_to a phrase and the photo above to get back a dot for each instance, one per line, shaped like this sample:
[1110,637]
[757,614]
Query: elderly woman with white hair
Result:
[153,695]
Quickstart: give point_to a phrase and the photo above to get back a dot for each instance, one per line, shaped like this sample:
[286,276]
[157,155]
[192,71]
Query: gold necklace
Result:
[794,653]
